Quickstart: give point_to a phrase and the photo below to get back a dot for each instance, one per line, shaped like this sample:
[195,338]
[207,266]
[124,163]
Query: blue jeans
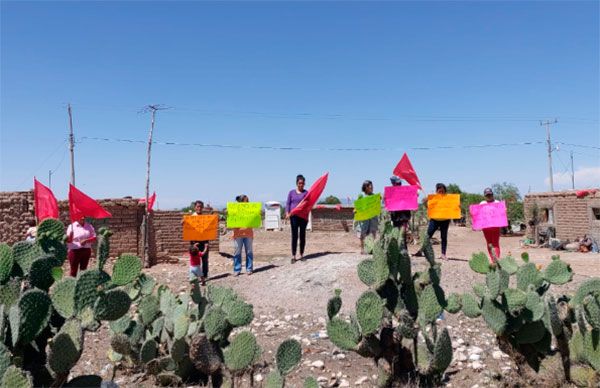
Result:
[443,227]
[246,243]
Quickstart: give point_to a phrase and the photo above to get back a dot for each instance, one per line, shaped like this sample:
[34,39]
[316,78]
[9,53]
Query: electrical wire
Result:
[291,148]
[42,163]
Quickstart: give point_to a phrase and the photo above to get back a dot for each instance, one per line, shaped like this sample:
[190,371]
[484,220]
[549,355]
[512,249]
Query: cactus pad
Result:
[9,292]
[89,381]
[480,290]
[470,306]
[528,274]
[179,350]
[239,313]
[205,355]
[366,272]
[148,309]
[112,305]
[343,334]
[63,297]
[127,268]
[534,305]
[429,303]
[493,315]
[147,284]
[442,352]
[35,308]
[120,325]
[62,354]
[369,311]
[180,326]
[4,358]
[25,253]
[86,288]
[6,262]
[480,263]
[508,264]
[591,348]
[531,333]
[40,272]
[242,352]
[16,378]
[334,305]
[590,286]
[591,306]
[148,351]
[558,272]
[515,300]
[288,356]
[454,303]
[311,382]
[219,295]
[215,324]
[120,343]
[274,380]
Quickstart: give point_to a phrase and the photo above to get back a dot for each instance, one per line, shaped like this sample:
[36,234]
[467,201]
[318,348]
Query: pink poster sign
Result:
[401,198]
[488,215]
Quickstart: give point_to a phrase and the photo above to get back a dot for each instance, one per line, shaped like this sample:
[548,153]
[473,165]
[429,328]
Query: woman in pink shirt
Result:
[80,236]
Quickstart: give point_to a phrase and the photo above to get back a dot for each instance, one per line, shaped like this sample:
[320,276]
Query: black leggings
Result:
[443,227]
[298,224]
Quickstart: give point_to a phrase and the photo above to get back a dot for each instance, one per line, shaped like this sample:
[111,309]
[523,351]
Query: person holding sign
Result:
[438,223]
[364,227]
[492,235]
[400,218]
[297,223]
[243,238]
[202,246]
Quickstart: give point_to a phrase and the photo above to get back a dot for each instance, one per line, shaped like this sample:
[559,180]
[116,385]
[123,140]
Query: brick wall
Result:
[168,232]
[16,210]
[330,218]
[573,217]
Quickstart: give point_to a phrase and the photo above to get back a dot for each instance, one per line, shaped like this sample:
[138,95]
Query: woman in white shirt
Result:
[492,235]
[80,236]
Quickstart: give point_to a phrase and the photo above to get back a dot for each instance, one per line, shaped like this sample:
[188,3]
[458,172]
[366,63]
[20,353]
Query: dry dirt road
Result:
[290,301]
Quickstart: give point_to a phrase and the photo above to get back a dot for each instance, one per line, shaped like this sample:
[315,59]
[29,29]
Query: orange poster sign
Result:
[201,227]
[443,206]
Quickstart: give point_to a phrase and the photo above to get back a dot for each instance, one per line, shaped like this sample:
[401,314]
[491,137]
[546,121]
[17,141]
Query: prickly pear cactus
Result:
[585,342]
[47,318]
[397,307]
[524,318]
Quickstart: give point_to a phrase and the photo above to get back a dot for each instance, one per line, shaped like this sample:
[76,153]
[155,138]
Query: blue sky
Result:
[311,75]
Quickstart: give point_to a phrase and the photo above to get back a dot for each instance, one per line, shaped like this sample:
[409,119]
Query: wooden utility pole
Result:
[547,123]
[152,109]
[71,145]
[572,173]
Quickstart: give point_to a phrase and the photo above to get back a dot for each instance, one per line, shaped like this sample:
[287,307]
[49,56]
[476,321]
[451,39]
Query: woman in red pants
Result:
[80,236]
[492,235]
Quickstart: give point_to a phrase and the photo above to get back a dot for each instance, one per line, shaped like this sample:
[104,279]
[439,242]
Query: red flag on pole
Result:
[306,205]
[151,200]
[45,202]
[405,170]
[80,205]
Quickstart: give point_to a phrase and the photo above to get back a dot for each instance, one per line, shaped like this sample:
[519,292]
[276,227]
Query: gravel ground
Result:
[290,301]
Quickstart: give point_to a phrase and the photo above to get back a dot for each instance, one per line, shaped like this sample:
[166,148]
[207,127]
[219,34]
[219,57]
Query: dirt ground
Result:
[290,301]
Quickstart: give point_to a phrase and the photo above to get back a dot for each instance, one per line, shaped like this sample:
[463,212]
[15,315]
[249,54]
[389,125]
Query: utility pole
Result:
[50,179]
[572,173]
[152,109]
[547,123]
[71,145]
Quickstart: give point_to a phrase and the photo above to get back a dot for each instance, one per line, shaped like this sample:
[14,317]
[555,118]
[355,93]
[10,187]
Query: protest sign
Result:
[200,227]
[367,207]
[399,198]
[244,215]
[443,206]
[488,215]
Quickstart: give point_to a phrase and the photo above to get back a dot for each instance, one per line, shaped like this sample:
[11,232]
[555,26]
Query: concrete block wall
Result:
[573,217]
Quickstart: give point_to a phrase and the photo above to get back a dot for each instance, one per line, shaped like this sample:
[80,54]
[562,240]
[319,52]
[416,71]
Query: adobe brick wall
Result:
[169,230]
[16,210]
[573,217]
[328,218]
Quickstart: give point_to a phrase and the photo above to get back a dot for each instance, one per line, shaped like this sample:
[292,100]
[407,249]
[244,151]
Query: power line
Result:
[294,148]
[579,145]
[27,177]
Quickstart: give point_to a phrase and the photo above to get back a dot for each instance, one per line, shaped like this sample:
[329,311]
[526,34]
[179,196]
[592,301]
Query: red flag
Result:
[151,200]
[306,205]
[405,170]
[45,202]
[80,205]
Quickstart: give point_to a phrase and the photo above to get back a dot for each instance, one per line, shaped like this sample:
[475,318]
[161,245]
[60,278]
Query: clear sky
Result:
[390,75]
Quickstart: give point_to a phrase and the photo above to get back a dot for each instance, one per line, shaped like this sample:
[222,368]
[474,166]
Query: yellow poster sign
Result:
[200,227]
[443,206]
[367,207]
[244,215]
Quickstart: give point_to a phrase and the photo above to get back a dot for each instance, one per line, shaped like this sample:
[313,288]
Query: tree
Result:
[509,193]
[330,200]
[453,188]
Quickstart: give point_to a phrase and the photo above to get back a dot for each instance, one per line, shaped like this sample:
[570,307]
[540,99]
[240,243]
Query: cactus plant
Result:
[47,320]
[398,305]
[6,262]
[127,268]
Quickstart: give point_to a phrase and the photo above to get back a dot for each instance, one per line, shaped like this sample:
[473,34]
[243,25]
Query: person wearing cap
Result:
[370,226]
[399,218]
[492,235]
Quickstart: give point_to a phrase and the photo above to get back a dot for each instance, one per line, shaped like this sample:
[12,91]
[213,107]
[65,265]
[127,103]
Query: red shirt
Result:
[195,259]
